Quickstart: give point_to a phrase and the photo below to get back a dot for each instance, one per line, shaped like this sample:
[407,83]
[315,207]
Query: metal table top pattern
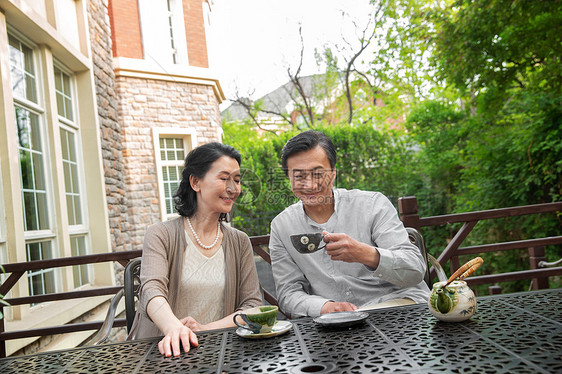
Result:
[509,333]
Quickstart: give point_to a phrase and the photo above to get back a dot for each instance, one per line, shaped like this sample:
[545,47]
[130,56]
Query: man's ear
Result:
[194,182]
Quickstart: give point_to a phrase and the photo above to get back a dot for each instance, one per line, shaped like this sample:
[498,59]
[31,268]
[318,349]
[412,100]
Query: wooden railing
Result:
[16,271]
[408,208]
[409,215]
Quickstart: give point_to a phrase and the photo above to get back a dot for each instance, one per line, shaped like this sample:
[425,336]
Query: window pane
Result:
[70,210]
[36,285]
[30,216]
[80,272]
[34,252]
[60,104]
[71,181]
[64,94]
[24,128]
[173,173]
[26,170]
[58,80]
[42,215]
[22,70]
[32,170]
[40,281]
[38,176]
[77,209]
[68,107]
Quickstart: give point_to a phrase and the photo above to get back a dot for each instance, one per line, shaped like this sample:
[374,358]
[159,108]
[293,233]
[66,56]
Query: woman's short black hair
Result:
[306,141]
[197,163]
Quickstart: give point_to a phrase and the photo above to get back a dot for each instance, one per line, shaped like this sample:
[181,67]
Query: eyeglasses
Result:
[316,175]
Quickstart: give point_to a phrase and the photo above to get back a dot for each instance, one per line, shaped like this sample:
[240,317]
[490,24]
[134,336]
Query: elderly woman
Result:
[196,272]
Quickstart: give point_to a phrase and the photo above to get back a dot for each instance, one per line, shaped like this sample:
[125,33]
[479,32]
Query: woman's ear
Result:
[194,182]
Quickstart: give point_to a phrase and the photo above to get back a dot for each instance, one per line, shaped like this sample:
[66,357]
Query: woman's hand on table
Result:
[176,335]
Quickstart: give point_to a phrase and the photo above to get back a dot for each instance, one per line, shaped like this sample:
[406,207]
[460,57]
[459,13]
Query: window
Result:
[64,95]
[171,148]
[81,273]
[22,71]
[40,281]
[163,31]
[172,155]
[70,163]
[32,160]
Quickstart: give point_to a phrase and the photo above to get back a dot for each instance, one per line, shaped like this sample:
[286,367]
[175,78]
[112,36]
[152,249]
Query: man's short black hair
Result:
[306,141]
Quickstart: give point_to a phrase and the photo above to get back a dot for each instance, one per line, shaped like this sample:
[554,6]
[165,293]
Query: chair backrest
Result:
[417,239]
[258,242]
[130,290]
[131,283]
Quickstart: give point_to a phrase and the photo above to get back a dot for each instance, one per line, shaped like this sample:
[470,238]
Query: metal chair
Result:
[131,282]
[417,239]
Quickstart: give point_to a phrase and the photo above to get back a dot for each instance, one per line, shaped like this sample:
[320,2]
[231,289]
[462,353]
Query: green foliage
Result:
[493,46]
[368,159]
[483,84]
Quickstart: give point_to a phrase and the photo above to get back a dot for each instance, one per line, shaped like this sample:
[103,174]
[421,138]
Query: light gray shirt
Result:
[304,282]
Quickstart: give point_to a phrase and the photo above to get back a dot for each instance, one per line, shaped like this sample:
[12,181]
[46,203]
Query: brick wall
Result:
[145,104]
[125,26]
[195,33]
[109,126]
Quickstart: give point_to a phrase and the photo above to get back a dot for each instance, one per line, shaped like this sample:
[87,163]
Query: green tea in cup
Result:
[258,320]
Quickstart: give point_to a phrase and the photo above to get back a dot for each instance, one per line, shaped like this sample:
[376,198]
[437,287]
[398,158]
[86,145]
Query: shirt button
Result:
[347,293]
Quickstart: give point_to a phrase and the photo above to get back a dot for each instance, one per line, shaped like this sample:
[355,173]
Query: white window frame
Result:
[38,108]
[189,137]
[3,249]
[73,127]
[155,30]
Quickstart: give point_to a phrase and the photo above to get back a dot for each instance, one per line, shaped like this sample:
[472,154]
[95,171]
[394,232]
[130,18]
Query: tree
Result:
[345,87]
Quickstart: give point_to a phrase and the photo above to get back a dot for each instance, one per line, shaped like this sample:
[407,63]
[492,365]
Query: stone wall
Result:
[111,142]
[148,103]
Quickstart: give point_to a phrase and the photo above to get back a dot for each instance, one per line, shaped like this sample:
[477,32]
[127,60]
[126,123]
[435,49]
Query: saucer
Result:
[279,328]
[341,319]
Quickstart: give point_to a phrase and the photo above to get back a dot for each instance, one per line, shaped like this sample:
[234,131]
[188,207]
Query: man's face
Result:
[311,176]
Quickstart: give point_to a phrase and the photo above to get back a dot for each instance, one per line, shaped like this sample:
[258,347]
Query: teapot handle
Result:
[465,270]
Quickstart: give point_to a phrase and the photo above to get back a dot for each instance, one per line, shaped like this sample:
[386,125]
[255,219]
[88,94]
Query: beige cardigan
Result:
[162,258]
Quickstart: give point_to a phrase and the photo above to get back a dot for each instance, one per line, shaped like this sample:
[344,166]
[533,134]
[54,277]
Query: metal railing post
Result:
[536,254]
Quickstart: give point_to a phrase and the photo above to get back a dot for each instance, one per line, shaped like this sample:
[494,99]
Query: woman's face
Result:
[219,188]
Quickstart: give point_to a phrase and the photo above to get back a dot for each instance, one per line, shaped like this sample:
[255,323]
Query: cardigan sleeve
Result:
[248,291]
[154,266]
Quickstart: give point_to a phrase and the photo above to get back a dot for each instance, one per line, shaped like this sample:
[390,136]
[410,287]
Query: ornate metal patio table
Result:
[514,333]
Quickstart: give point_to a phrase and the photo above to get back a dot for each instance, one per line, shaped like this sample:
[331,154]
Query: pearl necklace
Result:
[199,240]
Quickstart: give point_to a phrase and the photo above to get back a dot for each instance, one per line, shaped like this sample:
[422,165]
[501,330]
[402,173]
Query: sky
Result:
[251,43]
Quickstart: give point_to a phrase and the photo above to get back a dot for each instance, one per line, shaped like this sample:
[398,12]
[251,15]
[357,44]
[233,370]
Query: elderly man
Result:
[368,258]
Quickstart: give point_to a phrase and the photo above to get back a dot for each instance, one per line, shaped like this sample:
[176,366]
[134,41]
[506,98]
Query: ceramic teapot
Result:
[452,300]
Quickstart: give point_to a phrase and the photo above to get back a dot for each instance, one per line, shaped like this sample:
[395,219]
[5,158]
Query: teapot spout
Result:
[444,303]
